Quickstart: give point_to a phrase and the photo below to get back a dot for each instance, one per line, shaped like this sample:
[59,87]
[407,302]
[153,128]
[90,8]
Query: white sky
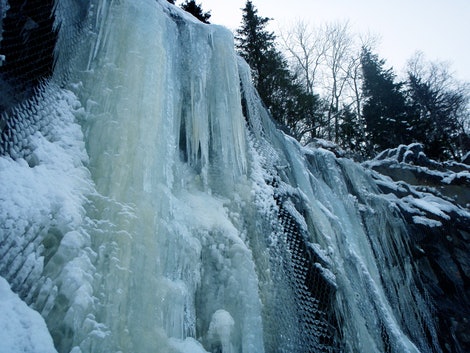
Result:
[438,28]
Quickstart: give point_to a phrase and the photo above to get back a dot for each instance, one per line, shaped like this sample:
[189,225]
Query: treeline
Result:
[194,9]
[326,82]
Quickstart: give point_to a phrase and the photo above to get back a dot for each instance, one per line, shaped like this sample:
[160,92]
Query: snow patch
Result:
[21,328]
[431,223]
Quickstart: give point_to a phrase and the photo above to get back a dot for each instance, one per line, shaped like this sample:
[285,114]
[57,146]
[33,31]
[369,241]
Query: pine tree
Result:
[385,111]
[196,10]
[278,88]
[440,105]
[256,44]
[350,132]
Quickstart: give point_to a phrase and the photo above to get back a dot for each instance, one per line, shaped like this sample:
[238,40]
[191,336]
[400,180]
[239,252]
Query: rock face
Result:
[434,199]
[27,44]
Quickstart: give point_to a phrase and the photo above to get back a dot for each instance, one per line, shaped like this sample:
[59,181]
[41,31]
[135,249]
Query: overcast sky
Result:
[438,28]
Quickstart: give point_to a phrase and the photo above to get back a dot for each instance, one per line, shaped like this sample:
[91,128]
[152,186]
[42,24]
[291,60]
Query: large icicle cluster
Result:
[149,204]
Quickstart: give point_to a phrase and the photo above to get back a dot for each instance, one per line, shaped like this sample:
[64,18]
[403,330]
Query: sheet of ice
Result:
[461,176]
[167,149]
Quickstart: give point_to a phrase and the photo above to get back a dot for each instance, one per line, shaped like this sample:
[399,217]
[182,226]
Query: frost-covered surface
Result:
[148,204]
[327,145]
[21,328]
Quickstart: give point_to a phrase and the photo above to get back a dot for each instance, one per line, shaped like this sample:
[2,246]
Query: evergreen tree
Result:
[385,110]
[196,10]
[350,132]
[257,46]
[171,1]
[297,109]
[440,105]
[287,100]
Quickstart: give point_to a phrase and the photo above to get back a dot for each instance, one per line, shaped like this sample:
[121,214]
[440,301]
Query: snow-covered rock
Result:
[434,199]
[409,164]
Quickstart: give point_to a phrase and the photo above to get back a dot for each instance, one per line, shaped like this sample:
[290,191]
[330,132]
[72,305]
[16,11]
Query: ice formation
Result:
[149,204]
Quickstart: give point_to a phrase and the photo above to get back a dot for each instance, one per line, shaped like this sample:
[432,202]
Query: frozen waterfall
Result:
[149,204]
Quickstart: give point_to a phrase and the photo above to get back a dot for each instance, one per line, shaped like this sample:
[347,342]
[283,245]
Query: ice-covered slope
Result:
[149,204]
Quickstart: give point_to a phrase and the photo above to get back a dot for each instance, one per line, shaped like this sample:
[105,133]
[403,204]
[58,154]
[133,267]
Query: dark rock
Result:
[440,244]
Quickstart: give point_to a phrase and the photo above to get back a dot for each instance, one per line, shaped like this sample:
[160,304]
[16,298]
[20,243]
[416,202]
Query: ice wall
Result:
[149,204]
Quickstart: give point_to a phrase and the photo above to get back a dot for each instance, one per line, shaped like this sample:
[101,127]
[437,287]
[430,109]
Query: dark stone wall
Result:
[28,44]
[443,257]
[441,248]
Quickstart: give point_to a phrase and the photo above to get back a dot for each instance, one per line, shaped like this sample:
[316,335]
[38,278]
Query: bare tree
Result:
[306,47]
[326,59]
[338,64]
[322,58]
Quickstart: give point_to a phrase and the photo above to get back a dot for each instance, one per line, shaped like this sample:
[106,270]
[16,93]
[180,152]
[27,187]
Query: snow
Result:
[21,328]
[327,274]
[431,223]
[209,213]
[464,175]
[429,204]
[436,192]
[42,196]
